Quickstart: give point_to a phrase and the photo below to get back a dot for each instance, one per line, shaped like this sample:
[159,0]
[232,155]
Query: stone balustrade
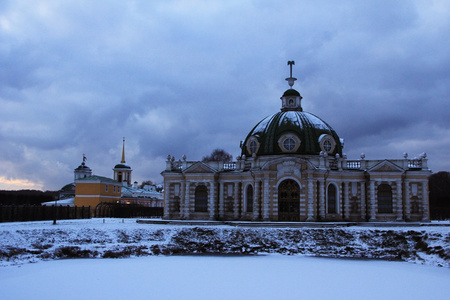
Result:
[328,162]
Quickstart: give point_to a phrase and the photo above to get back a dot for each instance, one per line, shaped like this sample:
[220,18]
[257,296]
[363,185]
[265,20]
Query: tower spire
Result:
[123,152]
[291,79]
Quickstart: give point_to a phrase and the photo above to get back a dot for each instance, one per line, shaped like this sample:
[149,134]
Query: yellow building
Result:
[93,190]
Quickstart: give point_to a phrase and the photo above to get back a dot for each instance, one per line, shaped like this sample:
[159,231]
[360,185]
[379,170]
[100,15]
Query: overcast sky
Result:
[186,77]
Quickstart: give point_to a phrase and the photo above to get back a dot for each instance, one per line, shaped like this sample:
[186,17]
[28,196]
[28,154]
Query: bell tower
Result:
[82,171]
[122,171]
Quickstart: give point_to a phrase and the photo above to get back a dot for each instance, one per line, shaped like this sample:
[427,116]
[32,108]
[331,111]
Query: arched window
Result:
[249,199]
[201,198]
[384,199]
[332,199]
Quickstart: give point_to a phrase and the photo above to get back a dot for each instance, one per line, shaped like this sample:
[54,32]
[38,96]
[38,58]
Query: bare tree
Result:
[144,183]
[218,155]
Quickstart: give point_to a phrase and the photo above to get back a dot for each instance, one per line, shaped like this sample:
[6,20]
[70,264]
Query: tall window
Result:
[332,199]
[201,198]
[384,198]
[249,199]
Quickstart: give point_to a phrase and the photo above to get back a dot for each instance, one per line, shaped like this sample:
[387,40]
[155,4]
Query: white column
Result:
[182,198]
[346,202]
[236,200]
[221,201]
[399,201]
[425,203]
[266,203]
[363,201]
[322,199]
[166,200]
[310,201]
[187,200]
[407,202]
[256,200]
[212,202]
[372,201]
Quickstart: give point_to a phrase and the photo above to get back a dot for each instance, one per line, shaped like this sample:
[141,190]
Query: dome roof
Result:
[292,132]
[122,166]
[291,92]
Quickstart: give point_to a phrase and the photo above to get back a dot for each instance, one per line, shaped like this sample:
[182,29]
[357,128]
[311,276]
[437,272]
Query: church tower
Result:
[82,171]
[122,171]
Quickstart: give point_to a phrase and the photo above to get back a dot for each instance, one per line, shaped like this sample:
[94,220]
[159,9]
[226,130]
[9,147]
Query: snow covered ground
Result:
[224,277]
[263,276]
[112,238]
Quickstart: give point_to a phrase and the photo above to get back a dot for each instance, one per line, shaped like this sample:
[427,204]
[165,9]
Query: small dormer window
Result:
[289,142]
[252,145]
[327,143]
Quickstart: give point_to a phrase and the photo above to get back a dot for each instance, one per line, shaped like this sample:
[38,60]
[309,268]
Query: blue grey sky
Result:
[186,77]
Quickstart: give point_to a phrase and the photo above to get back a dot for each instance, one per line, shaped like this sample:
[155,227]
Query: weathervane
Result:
[291,79]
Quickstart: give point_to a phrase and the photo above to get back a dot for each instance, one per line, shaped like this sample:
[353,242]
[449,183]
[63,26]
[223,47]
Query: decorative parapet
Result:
[322,162]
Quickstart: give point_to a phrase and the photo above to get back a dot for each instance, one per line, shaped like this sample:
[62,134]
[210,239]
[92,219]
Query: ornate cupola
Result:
[122,171]
[291,130]
[291,99]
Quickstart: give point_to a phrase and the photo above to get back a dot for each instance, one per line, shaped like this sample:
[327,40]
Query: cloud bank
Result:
[185,77]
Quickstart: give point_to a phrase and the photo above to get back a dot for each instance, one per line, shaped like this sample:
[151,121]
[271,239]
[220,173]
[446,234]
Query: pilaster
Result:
[212,202]
[311,217]
[322,199]
[399,201]
[166,200]
[256,200]
[363,201]
[266,200]
[236,200]
[407,201]
[372,201]
[221,201]
[425,203]
[346,201]
[187,200]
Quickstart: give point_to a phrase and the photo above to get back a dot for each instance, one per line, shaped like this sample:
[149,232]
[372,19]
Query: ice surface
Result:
[223,277]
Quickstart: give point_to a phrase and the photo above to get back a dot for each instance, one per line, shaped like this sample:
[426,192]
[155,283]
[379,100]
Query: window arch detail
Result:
[332,199]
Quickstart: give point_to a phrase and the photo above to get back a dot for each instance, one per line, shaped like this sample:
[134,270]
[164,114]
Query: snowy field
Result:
[32,264]
[224,277]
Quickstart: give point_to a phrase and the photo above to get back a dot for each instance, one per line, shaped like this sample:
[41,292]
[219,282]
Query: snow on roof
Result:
[64,202]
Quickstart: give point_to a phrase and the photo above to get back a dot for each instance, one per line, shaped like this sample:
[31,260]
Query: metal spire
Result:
[123,152]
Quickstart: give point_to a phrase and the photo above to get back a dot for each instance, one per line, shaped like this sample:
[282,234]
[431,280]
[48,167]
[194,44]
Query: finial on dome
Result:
[123,152]
[291,79]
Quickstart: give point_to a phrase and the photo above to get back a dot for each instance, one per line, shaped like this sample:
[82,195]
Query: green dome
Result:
[122,166]
[291,92]
[292,132]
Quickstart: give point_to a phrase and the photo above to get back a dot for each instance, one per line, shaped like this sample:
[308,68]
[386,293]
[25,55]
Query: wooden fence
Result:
[18,213]
[118,210]
[21,213]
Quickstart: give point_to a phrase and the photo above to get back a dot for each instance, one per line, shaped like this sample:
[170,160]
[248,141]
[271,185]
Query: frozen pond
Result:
[223,277]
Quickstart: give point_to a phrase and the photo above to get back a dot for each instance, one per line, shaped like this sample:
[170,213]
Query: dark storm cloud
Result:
[185,77]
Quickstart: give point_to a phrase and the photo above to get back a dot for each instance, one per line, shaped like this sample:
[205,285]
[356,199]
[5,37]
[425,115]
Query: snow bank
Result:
[113,238]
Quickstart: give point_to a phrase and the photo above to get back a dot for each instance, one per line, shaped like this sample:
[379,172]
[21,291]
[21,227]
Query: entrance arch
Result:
[289,201]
